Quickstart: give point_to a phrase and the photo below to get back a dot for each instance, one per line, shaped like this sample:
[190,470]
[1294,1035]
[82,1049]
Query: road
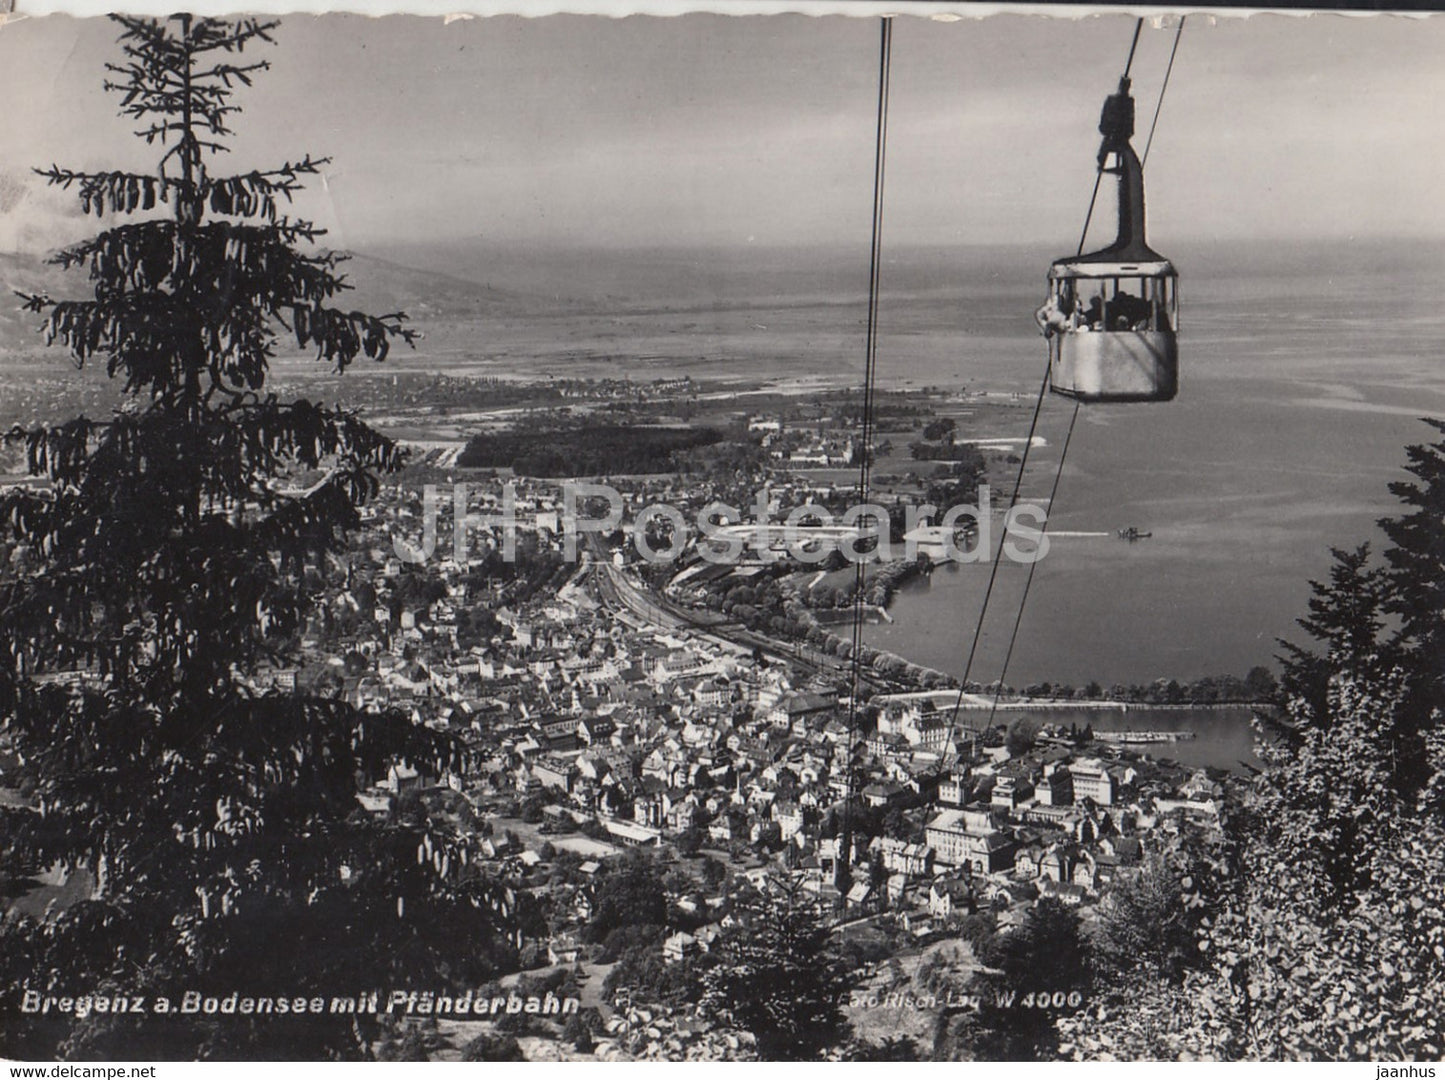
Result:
[616,591]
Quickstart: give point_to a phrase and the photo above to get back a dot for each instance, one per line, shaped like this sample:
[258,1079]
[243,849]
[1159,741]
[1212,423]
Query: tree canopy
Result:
[779,976]
[1318,907]
[161,566]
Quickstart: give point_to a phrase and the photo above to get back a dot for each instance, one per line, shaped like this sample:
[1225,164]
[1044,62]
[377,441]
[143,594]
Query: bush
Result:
[493,1047]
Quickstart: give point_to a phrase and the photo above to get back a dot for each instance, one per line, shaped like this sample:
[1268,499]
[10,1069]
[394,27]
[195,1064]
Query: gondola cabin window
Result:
[1116,304]
[1111,332]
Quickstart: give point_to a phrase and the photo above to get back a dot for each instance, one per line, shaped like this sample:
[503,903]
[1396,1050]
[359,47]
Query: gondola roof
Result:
[1106,264]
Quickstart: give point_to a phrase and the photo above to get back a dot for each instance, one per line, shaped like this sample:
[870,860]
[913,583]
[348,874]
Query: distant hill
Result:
[471,296]
[379,285]
[640,280]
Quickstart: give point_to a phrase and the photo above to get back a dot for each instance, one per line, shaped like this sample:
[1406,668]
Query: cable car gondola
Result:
[1112,315]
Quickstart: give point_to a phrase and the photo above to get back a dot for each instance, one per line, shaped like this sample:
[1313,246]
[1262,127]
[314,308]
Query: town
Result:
[691,721]
[486,575]
[611,725]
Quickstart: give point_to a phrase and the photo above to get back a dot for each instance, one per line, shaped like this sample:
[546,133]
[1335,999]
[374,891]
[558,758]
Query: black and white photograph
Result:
[875,536]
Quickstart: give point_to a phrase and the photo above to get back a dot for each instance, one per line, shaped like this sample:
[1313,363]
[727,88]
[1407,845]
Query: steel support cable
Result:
[865,450]
[1134,44]
[1064,452]
[1178,33]
[1094,198]
[993,569]
[1034,565]
[1028,445]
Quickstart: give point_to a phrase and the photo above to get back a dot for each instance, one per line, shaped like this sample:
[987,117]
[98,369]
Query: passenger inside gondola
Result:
[1129,312]
[1057,313]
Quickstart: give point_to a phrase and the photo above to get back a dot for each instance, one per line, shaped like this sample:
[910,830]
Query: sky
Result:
[716,130]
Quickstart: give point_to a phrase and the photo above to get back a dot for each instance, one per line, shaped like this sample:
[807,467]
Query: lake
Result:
[1303,375]
[1303,371]
[1223,736]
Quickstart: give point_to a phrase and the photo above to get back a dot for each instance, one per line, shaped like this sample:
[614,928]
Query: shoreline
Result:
[977,701]
[874,613]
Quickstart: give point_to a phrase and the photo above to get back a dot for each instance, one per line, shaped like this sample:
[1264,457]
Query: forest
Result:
[586,450]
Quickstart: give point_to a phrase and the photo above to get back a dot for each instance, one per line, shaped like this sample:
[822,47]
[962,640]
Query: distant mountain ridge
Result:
[465,284]
[563,280]
[377,284]
[381,283]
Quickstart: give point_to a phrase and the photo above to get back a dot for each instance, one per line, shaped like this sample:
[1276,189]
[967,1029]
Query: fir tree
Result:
[1144,930]
[1346,619]
[165,563]
[1371,620]
[1046,953]
[780,978]
[1416,598]
[1320,903]
[1416,555]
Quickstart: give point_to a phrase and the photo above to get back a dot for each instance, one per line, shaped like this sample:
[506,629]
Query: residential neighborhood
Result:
[592,732]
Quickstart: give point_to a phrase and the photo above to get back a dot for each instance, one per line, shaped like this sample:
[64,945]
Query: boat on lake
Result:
[1143,736]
